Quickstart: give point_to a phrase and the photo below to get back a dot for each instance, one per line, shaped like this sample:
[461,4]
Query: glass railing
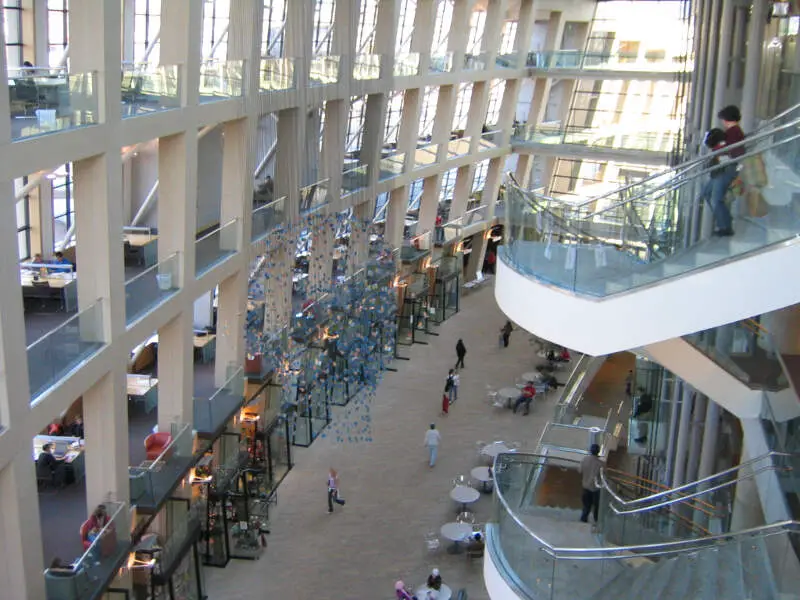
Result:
[406,65]
[507,61]
[221,80]
[210,414]
[479,214]
[553,563]
[277,74]
[637,235]
[53,356]
[151,287]
[323,70]
[355,179]
[147,88]
[441,63]
[600,137]
[572,441]
[50,102]
[314,196]
[491,140]
[415,246]
[425,156]
[458,147]
[367,67]
[153,481]
[578,59]
[216,246]
[89,575]
[267,218]
[475,62]
[391,166]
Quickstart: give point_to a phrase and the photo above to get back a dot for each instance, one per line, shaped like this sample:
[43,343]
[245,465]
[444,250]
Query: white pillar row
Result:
[443,123]
[34,31]
[20,529]
[244,41]
[290,145]
[396,217]
[409,124]
[724,56]
[386,33]
[475,262]
[494,179]
[231,304]
[177,167]
[752,65]
[461,191]
[358,251]
[429,203]
[333,139]
[696,440]
[180,44]
[684,433]
[372,139]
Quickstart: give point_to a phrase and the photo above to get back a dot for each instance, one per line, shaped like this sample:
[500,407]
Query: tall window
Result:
[324,14]
[477,25]
[146,26]
[355,125]
[13,30]
[461,113]
[405,27]
[441,27]
[496,91]
[448,185]
[274,28]
[57,30]
[508,37]
[216,17]
[394,115]
[23,229]
[367,27]
[415,195]
[381,204]
[479,176]
[428,113]
[63,200]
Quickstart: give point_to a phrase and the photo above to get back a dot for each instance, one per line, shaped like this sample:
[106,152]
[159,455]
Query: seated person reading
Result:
[476,542]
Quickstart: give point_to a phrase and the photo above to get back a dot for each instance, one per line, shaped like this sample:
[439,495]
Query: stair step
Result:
[757,570]
[703,584]
[730,581]
[678,583]
[659,579]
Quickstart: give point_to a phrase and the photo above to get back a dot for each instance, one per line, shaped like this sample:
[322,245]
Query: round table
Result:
[445,593]
[532,376]
[455,532]
[483,475]
[463,494]
[509,393]
[495,448]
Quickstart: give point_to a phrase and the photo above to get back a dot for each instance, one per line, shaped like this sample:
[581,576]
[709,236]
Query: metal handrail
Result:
[641,550]
[696,504]
[765,132]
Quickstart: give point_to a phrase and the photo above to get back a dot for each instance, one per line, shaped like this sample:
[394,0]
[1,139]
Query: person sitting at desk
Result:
[401,592]
[76,428]
[61,260]
[48,466]
[528,393]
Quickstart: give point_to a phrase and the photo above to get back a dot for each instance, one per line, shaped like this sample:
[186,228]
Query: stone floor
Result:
[393,498]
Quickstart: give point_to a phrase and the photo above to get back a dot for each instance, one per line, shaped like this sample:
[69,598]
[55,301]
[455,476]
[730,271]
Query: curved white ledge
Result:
[676,306]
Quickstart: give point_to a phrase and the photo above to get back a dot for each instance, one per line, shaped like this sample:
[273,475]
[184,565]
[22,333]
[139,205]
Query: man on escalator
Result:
[726,172]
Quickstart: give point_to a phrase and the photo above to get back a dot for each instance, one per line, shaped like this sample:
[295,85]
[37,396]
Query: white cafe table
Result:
[464,494]
[532,376]
[483,475]
[509,394]
[455,532]
[445,593]
[495,448]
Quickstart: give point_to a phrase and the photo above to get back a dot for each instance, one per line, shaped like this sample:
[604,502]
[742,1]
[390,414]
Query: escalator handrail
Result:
[641,550]
[761,133]
[692,502]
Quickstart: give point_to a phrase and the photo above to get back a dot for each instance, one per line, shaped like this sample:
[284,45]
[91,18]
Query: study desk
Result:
[73,459]
[147,242]
[144,389]
[205,347]
[63,286]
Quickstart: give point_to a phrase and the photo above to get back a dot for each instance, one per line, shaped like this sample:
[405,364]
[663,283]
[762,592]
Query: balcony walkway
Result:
[393,498]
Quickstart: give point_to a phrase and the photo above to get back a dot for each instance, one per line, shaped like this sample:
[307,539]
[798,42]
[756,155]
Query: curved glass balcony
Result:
[599,137]
[644,233]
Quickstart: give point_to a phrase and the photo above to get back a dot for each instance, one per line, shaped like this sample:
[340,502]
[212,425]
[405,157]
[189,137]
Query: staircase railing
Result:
[536,567]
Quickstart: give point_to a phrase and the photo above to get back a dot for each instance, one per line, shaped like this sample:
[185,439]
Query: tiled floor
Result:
[393,498]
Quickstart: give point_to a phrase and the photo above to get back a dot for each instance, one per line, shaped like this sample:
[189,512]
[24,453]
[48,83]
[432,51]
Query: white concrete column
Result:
[180,44]
[298,36]
[684,433]
[752,64]
[372,140]
[494,178]
[176,371]
[708,452]
[429,203]
[421,39]
[475,262]
[459,32]
[34,31]
[291,133]
[386,33]
[41,218]
[278,286]
[359,236]
[333,139]
[525,21]
[231,304]
[20,530]
[105,415]
[408,132]
[461,191]
[320,263]
[747,509]
[345,32]
[244,41]
[476,116]
[495,19]
[396,217]
[724,56]
[695,442]
[443,123]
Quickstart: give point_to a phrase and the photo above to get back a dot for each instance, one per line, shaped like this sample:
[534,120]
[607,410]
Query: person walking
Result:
[432,441]
[590,481]
[448,390]
[629,384]
[333,490]
[461,352]
[505,333]
[456,382]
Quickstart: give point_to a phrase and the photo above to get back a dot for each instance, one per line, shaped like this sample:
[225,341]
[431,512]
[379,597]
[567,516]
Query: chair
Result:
[155,443]
[133,254]
[462,594]
[461,480]
[432,543]
[466,517]
[475,551]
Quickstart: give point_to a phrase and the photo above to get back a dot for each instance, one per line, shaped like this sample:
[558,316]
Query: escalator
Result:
[644,250]
[650,541]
